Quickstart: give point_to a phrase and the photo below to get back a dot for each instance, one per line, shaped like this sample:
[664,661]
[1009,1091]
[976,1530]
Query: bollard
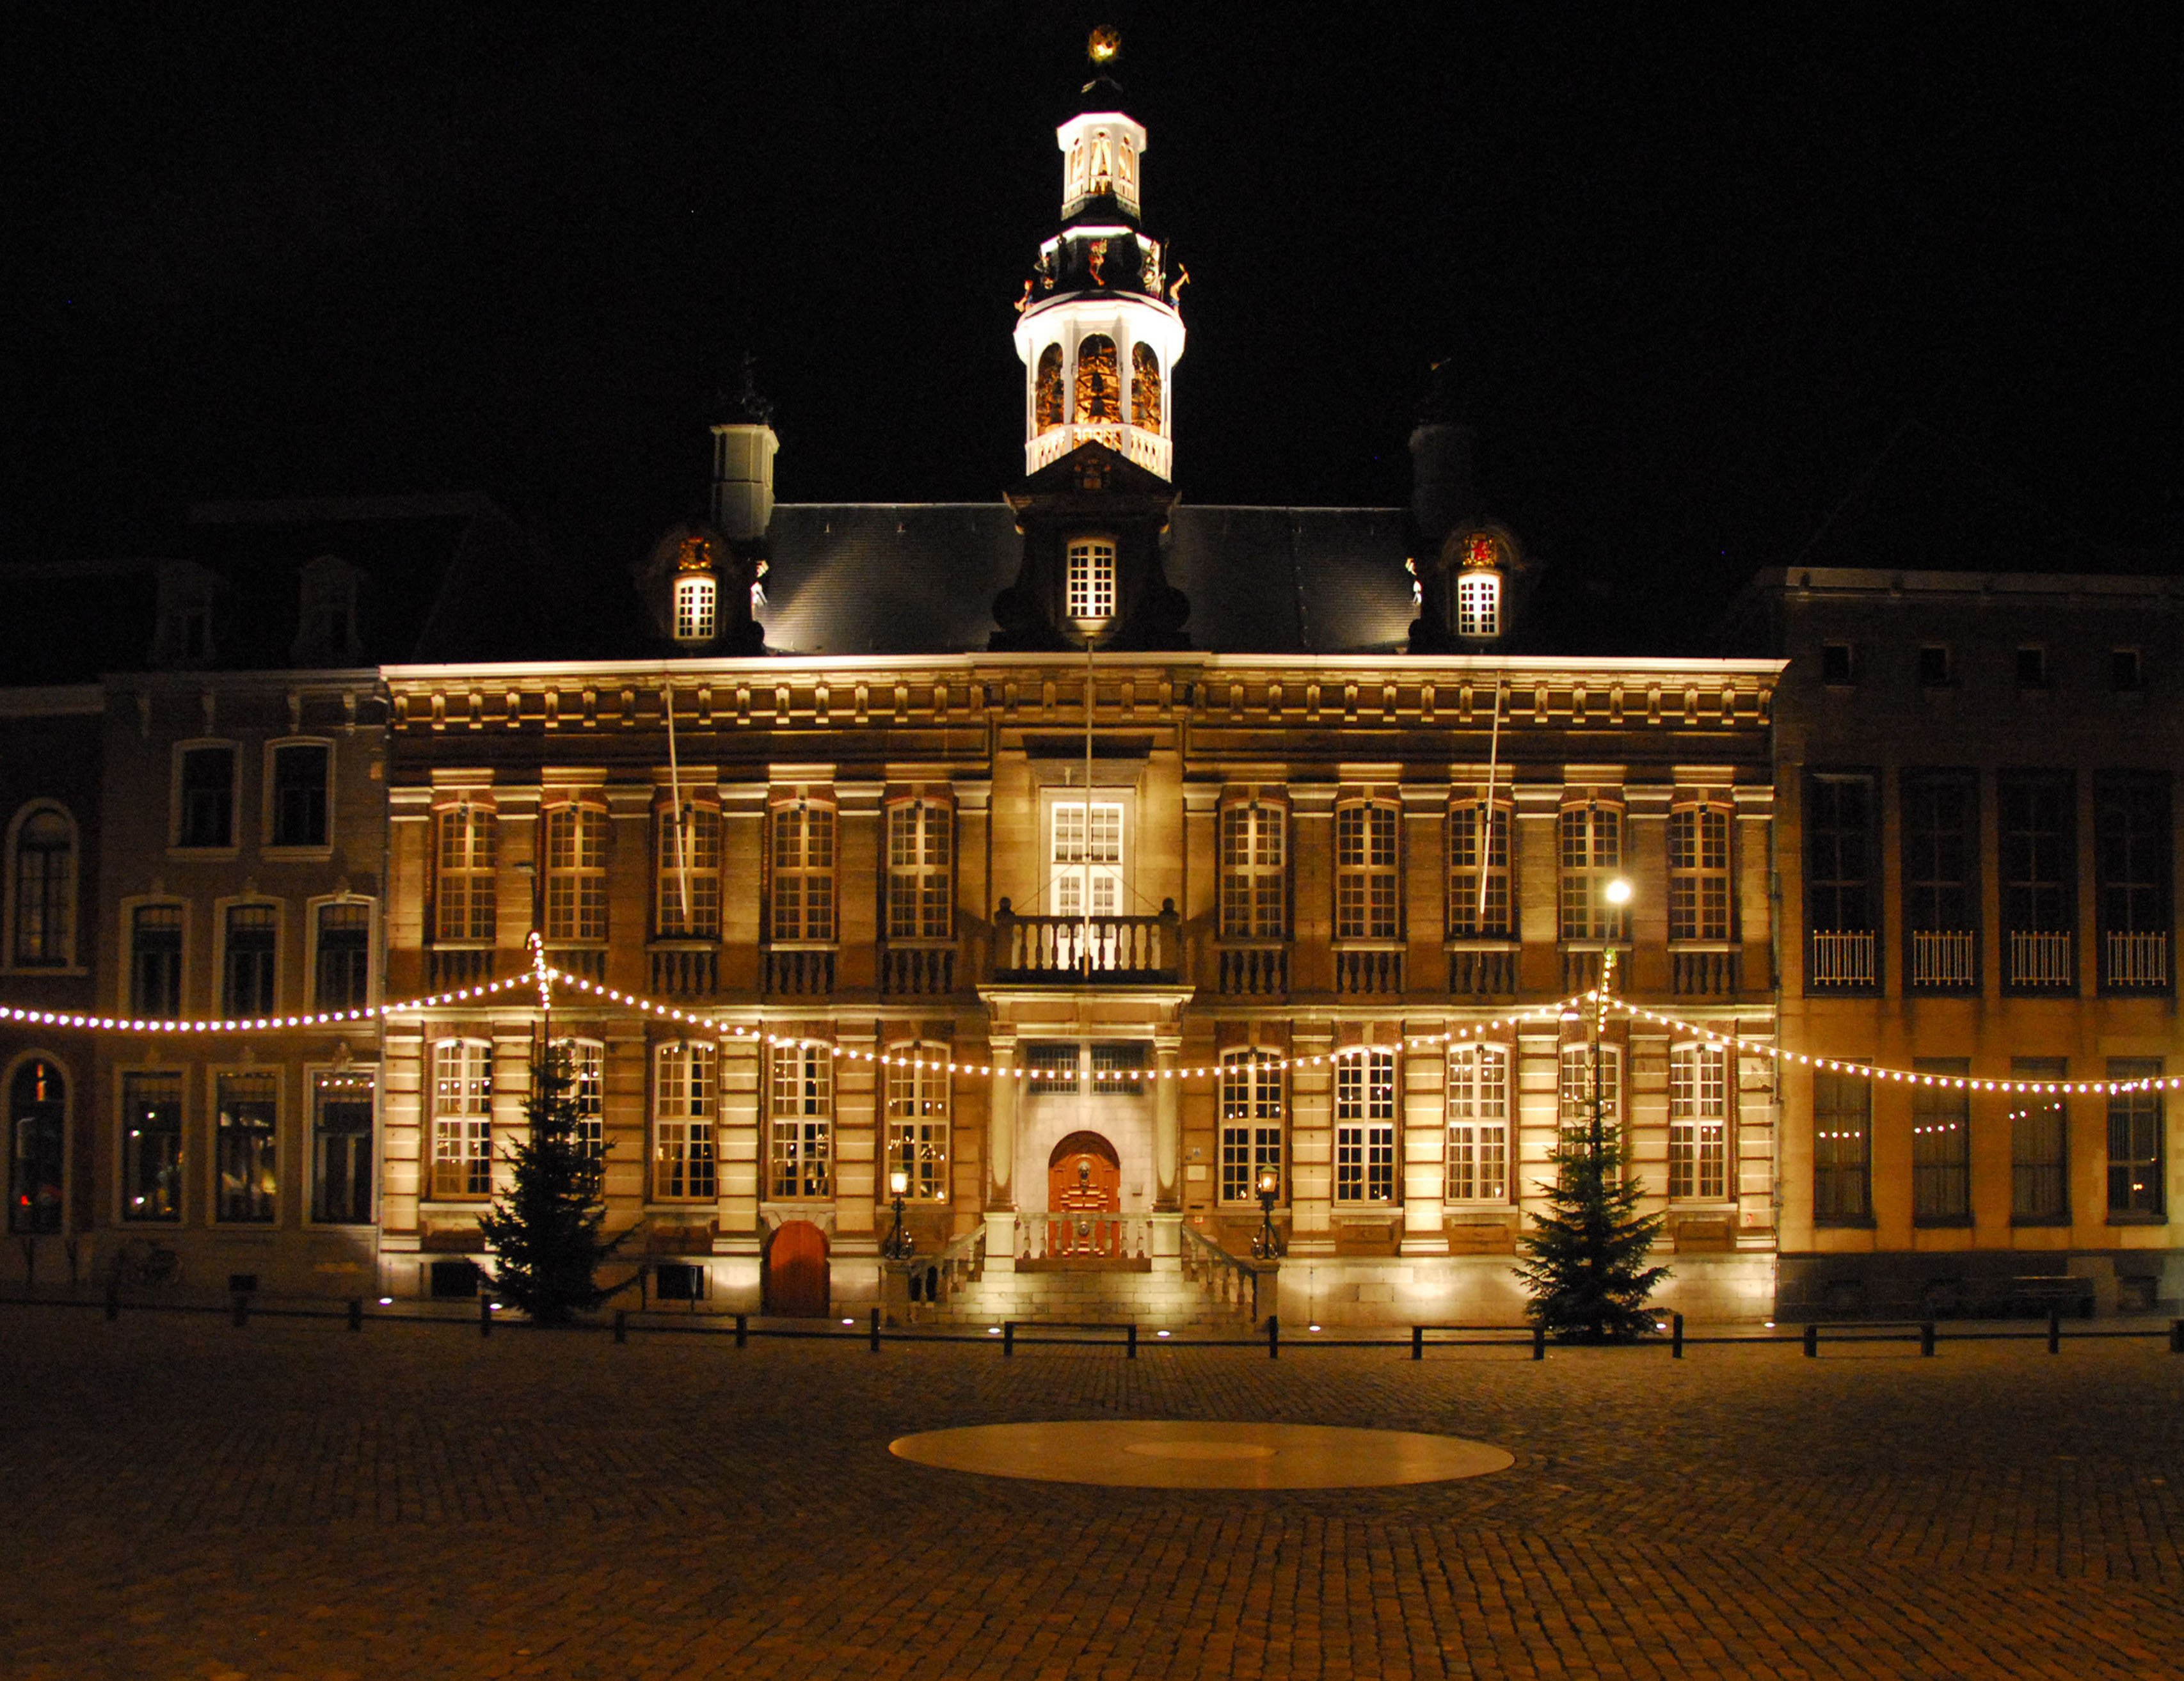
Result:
[356,1313]
[621,1325]
[485,1316]
[2054,1330]
[1417,1342]
[1008,1339]
[1811,1342]
[1273,1336]
[1675,1336]
[1540,1342]
[241,1314]
[875,1331]
[742,1330]
[1133,1344]
[1926,1338]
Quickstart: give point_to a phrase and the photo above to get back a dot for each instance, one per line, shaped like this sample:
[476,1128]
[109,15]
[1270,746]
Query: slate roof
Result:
[920,578]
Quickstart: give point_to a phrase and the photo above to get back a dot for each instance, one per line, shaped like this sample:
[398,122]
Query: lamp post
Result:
[1616,892]
[899,1245]
[1263,1244]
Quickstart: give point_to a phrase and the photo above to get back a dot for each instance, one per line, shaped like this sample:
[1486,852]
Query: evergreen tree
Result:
[1585,1262]
[544,1233]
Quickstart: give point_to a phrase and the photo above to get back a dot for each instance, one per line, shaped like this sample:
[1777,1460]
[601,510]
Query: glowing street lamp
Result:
[1264,1245]
[899,1245]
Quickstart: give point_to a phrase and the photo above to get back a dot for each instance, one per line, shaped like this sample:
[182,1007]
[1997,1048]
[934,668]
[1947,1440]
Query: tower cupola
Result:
[1097,327]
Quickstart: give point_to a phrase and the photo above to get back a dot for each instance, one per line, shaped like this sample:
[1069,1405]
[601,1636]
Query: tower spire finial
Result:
[1105,42]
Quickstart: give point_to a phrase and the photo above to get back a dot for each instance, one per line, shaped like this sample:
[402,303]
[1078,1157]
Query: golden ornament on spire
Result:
[1105,44]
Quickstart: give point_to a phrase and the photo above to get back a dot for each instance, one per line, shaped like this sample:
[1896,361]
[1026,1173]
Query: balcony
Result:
[1257,971]
[799,971]
[1582,965]
[461,966]
[685,968]
[917,970]
[1844,958]
[586,962]
[1713,970]
[1945,960]
[1482,968]
[1101,949]
[1368,971]
[2041,958]
[2135,962]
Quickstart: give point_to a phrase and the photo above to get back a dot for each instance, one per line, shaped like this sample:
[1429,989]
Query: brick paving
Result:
[190,1499]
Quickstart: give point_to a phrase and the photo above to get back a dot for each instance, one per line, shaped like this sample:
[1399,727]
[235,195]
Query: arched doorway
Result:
[38,1101]
[796,1275]
[1084,1182]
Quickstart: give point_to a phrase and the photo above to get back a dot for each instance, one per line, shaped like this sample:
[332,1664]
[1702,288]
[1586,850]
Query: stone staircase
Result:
[1162,1300]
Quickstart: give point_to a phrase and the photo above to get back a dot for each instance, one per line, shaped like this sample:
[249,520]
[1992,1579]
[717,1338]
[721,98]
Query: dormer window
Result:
[325,626]
[1091,581]
[696,603]
[185,636]
[1479,606]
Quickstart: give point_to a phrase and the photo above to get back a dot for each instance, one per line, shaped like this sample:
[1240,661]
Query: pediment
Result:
[1092,469]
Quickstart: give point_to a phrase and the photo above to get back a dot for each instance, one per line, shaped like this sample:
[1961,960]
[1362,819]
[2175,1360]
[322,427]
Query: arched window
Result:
[1253,896]
[463,879]
[918,1121]
[1145,387]
[1367,886]
[685,1090]
[1477,1086]
[1252,1115]
[803,873]
[37,1103]
[42,903]
[462,1119]
[1698,873]
[697,602]
[920,883]
[1591,857]
[1477,899]
[689,875]
[1698,1122]
[576,872]
[1099,382]
[1046,396]
[1365,1126]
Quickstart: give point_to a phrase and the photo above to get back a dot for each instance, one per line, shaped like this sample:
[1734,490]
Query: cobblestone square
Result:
[289,1499]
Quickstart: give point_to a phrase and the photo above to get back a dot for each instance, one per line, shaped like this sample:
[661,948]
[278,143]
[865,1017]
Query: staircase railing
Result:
[1229,1279]
[962,1262]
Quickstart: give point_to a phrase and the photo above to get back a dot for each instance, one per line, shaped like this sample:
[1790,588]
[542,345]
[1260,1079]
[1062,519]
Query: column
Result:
[1168,1123]
[1001,1153]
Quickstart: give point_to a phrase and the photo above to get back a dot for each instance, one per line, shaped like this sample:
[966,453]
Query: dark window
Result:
[2136,1159]
[2124,673]
[1835,663]
[2032,668]
[1934,665]
[245,1166]
[45,890]
[2038,819]
[1118,1069]
[247,981]
[454,1280]
[1053,1067]
[1941,1146]
[2130,847]
[1841,909]
[155,960]
[152,1147]
[344,978]
[341,1149]
[299,796]
[1842,1148]
[2039,1144]
[35,1104]
[1941,893]
[678,1281]
[206,813]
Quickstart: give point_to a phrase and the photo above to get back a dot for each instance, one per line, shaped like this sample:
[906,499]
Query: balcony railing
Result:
[1482,969]
[1944,957]
[917,970]
[1104,948]
[686,971]
[799,971]
[1080,1236]
[1582,966]
[588,962]
[2129,960]
[1254,970]
[461,966]
[1843,957]
[2041,957]
[1368,971]
[1707,972]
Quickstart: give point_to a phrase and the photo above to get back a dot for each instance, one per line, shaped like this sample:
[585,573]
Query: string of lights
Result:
[164,1024]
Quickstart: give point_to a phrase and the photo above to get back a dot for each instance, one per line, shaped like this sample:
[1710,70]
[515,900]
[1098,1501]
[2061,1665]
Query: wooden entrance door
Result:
[796,1281]
[1084,1183]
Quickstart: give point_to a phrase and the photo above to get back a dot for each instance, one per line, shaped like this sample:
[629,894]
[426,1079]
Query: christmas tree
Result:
[544,1233]
[1585,1262]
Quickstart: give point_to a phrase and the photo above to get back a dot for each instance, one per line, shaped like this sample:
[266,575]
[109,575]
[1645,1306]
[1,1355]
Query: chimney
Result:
[743,447]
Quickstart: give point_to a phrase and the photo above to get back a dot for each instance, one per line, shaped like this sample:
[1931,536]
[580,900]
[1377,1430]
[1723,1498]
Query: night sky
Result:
[1698,265]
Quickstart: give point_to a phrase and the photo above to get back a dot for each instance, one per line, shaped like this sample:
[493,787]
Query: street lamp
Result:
[1264,1246]
[1616,892]
[899,1245]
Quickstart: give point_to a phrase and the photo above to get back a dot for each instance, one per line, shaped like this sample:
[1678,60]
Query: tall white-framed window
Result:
[1090,587]
[1591,845]
[802,870]
[587,1071]
[1575,1086]
[462,1120]
[1478,888]
[1367,871]
[687,905]
[917,1139]
[341,954]
[1075,857]
[246,1130]
[1252,1125]
[920,876]
[685,1108]
[1698,1122]
[800,1123]
[1478,1165]
[341,1132]
[299,795]
[462,878]
[1479,605]
[1365,1126]
[697,608]
[1253,874]
[41,887]
[577,871]
[1698,873]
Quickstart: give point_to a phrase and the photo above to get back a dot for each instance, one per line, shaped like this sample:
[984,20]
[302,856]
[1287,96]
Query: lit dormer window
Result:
[1478,589]
[695,601]
[1091,581]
